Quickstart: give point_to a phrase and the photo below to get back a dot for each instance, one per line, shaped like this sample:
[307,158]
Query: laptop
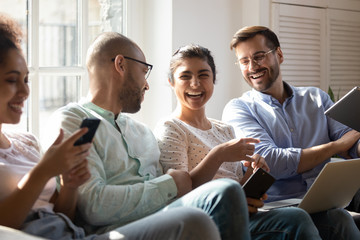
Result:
[347,110]
[334,187]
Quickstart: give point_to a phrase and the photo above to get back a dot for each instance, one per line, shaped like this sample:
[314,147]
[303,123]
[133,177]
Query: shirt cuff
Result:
[293,158]
[167,185]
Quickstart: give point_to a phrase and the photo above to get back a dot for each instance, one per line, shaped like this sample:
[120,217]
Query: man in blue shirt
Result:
[127,182]
[297,139]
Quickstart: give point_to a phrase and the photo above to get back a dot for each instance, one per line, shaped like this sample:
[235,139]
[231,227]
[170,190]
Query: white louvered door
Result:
[353,5]
[321,45]
[344,50]
[302,35]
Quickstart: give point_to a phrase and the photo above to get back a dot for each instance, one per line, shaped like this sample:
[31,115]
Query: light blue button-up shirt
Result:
[284,130]
[127,182]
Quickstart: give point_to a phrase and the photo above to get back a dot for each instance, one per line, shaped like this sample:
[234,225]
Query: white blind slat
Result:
[344,52]
[300,31]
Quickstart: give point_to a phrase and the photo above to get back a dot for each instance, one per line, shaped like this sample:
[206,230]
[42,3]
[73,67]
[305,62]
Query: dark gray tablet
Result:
[347,109]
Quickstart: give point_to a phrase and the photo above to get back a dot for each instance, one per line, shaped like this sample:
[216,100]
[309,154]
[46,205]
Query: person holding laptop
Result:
[296,138]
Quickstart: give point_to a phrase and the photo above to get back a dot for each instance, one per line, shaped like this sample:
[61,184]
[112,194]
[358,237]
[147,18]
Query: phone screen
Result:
[258,183]
[92,124]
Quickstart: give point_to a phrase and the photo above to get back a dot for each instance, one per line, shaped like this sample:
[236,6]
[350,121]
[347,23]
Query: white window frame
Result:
[36,71]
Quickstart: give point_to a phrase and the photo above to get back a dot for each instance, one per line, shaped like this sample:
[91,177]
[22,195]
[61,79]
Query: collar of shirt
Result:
[273,101]
[108,115]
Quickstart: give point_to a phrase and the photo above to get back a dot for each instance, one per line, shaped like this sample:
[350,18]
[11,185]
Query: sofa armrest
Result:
[7,233]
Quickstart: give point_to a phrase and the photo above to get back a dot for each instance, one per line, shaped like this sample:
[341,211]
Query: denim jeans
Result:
[355,203]
[283,223]
[336,224]
[225,202]
[182,223]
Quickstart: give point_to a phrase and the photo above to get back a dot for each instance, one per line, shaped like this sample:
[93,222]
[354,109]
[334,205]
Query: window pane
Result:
[17,10]
[55,92]
[94,20]
[105,16]
[58,33]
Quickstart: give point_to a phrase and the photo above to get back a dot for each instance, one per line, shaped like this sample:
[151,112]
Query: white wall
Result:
[168,25]
[211,23]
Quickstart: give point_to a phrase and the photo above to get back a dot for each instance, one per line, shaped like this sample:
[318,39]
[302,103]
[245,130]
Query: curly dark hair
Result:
[10,35]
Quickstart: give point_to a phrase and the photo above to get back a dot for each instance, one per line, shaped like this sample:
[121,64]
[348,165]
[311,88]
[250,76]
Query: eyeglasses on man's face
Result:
[149,66]
[257,58]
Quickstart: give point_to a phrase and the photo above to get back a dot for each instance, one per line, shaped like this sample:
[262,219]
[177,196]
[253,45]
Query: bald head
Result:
[111,84]
[106,46]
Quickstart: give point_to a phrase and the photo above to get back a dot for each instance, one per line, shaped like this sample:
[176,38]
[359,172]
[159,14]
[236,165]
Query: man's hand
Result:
[254,204]
[313,156]
[182,180]
[347,141]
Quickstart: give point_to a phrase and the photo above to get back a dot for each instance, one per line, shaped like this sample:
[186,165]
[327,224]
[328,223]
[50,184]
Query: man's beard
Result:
[273,75]
[131,100]
[131,95]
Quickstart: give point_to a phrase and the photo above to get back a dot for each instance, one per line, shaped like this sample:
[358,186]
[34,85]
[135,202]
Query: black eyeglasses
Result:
[149,66]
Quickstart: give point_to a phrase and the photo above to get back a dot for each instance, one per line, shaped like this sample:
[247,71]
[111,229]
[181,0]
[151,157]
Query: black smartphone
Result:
[258,183]
[92,124]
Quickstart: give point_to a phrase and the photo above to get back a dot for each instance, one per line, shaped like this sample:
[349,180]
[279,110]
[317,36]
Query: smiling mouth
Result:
[16,107]
[257,75]
[194,94]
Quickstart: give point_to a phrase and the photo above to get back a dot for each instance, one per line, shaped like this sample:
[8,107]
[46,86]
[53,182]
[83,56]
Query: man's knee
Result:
[339,214]
[197,224]
[296,214]
[217,196]
[299,217]
[229,188]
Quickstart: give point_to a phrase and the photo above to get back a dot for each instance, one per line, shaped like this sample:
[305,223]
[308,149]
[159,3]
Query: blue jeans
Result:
[224,201]
[336,224]
[355,203]
[182,223]
[283,223]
